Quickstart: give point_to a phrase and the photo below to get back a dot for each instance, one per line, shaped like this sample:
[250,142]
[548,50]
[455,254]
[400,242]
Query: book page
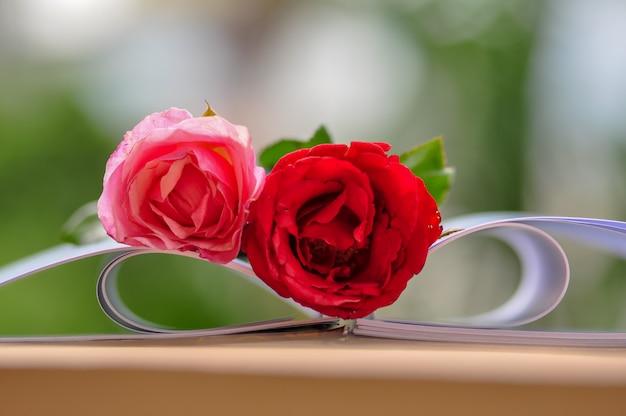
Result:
[544,282]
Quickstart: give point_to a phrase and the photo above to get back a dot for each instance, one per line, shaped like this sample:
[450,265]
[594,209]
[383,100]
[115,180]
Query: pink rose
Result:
[181,183]
[341,229]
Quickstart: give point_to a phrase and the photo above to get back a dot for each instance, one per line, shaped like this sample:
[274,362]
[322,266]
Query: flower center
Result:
[323,258]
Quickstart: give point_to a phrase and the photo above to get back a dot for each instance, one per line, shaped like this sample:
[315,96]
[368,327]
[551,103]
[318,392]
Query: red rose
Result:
[341,229]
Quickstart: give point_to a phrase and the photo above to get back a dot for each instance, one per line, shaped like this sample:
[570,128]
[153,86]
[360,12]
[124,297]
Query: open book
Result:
[544,282]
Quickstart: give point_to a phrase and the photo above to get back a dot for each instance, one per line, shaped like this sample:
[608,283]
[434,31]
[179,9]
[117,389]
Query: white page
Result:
[542,286]
[441,333]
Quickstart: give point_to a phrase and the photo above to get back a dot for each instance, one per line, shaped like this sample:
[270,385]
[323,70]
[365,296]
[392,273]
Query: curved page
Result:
[544,280]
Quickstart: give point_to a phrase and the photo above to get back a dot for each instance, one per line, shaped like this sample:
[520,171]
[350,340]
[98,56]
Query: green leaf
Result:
[428,161]
[83,226]
[271,154]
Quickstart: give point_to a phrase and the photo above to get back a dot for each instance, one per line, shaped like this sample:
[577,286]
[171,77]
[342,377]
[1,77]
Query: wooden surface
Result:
[307,374]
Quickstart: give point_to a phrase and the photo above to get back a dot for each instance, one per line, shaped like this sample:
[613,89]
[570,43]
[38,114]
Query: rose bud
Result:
[341,229]
[181,183]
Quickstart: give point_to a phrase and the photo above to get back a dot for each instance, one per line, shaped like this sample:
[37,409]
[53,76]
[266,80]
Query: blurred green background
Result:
[529,95]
